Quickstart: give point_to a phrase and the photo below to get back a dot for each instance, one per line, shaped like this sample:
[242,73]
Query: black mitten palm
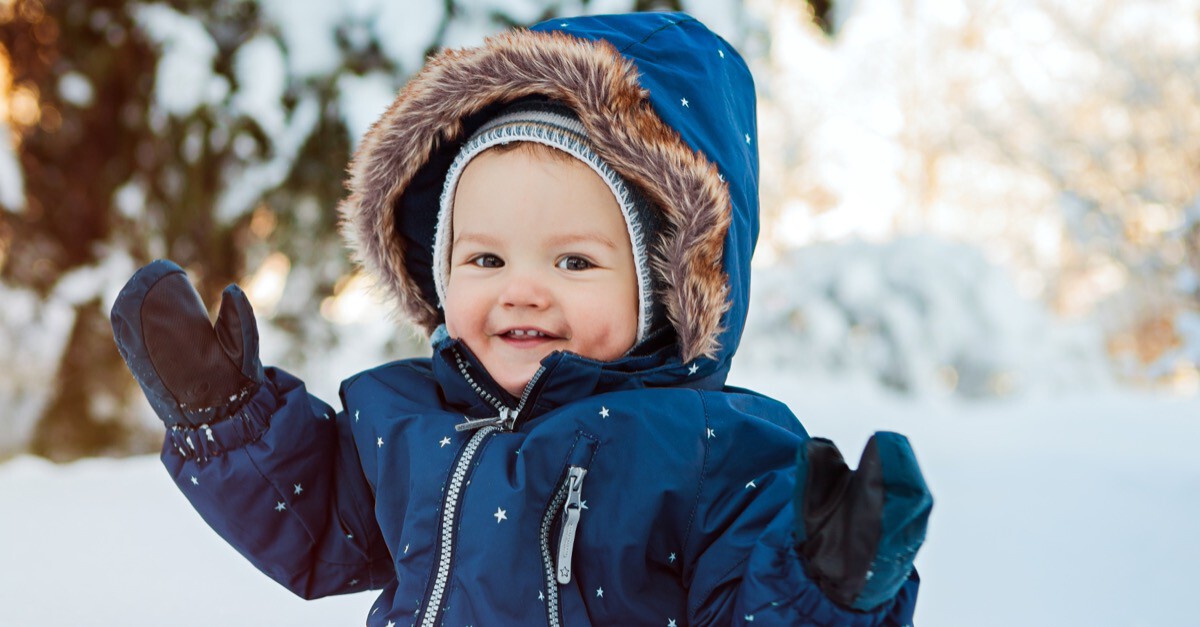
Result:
[191,372]
[859,530]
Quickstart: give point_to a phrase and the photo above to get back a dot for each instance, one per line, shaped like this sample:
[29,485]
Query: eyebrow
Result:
[575,238]
[478,238]
[556,241]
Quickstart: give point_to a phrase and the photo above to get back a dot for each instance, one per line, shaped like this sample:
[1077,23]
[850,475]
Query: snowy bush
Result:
[917,314]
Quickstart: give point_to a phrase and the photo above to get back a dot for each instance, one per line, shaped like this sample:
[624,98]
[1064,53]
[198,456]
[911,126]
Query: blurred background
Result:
[972,210]
[959,196]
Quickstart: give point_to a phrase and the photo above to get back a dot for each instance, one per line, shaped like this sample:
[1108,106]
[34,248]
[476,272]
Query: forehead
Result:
[531,190]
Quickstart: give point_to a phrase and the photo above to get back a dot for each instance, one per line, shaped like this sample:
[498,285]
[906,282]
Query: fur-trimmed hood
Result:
[666,103]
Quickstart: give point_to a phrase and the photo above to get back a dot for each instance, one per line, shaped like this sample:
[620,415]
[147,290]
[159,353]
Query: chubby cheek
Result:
[610,336]
[463,316]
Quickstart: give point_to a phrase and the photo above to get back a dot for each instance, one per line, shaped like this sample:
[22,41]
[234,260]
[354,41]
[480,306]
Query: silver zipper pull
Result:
[570,524]
[503,421]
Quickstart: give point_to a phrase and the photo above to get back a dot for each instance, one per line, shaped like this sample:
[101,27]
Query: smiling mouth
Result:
[526,336]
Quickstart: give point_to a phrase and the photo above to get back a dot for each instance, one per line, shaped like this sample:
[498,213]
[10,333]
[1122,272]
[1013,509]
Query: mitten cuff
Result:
[243,425]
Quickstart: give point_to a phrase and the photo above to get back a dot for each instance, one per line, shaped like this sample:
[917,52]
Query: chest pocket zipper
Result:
[566,507]
[572,509]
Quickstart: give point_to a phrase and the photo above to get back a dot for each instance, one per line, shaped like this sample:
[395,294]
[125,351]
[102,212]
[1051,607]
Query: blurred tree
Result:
[212,133]
[75,152]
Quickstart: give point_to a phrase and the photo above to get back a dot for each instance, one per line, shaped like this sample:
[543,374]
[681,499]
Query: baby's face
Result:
[540,261]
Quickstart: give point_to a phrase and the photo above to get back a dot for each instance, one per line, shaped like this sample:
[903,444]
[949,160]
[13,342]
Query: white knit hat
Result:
[555,125]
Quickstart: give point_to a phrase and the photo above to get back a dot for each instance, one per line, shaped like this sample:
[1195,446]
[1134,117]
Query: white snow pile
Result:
[917,314]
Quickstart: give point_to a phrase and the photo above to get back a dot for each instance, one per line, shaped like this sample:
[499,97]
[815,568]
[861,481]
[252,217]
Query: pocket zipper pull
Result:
[570,523]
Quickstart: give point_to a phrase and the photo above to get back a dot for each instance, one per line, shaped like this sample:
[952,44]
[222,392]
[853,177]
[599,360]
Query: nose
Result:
[524,289]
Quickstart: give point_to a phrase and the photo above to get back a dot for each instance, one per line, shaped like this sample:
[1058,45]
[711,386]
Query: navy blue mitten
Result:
[859,530]
[192,373]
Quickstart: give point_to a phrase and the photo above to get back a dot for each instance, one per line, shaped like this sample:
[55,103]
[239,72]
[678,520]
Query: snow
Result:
[307,29]
[363,100]
[260,69]
[1071,510]
[184,79]
[247,185]
[12,181]
[76,89]
[405,30]
[918,313]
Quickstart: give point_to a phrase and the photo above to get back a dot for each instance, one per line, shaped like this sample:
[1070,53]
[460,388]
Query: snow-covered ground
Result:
[1067,510]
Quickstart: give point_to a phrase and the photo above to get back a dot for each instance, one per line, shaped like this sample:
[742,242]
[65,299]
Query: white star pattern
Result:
[500,515]
[583,505]
[195,481]
[692,369]
[722,177]
[391,624]
[747,138]
[712,434]
[671,558]
[356,415]
[600,592]
[406,549]
[208,433]
[722,53]
[751,485]
[354,582]
[603,412]
[563,25]
[279,507]
[297,489]
[444,441]
[379,442]
[671,622]
[684,102]
[541,597]
[349,536]
[749,618]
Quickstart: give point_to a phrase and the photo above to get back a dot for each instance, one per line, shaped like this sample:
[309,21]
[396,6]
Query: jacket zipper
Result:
[446,540]
[508,417]
[568,497]
[451,500]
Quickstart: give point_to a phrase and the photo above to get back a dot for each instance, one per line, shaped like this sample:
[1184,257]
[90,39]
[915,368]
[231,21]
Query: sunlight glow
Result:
[265,287]
[351,302]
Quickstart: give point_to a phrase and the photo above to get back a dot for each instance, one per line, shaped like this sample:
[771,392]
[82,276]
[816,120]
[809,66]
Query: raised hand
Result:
[191,372]
[859,530]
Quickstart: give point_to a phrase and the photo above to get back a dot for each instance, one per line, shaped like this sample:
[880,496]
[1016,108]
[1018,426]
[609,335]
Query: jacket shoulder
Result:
[406,377]
[757,406]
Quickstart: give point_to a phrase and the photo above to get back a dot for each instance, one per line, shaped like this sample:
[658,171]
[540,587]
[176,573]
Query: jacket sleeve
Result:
[744,568]
[281,482]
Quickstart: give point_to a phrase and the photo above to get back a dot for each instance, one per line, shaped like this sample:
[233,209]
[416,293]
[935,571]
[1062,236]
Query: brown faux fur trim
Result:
[602,87]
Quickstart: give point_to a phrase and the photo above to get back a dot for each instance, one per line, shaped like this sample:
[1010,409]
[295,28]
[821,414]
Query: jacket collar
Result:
[565,377]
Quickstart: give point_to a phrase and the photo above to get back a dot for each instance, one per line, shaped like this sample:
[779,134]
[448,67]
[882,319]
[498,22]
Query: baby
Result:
[569,211]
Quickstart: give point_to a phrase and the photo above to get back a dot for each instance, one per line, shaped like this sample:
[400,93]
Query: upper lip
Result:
[522,327]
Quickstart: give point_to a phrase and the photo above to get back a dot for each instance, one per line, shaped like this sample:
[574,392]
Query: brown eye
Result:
[574,263]
[487,261]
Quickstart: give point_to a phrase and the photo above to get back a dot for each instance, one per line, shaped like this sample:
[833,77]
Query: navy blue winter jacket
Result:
[642,491]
